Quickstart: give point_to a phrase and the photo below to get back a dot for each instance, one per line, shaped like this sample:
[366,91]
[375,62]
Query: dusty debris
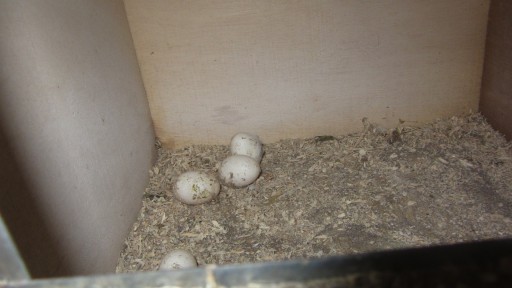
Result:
[446,182]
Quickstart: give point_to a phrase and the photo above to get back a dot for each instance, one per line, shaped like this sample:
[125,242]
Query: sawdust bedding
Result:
[445,182]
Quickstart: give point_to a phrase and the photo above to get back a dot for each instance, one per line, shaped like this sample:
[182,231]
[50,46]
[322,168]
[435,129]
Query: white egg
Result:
[239,170]
[248,145]
[178,259]
[196,187]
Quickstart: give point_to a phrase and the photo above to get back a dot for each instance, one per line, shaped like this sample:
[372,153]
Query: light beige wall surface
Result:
[303,68]
[496,99]
[76,138]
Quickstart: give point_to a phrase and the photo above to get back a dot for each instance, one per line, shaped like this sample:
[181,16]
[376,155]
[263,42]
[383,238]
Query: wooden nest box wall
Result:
[85,86]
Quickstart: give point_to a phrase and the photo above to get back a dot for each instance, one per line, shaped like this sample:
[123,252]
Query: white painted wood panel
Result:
[288,68]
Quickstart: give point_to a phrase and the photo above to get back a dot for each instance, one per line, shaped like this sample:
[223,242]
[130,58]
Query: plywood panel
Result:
[76,139]
[302,68]
[496,101]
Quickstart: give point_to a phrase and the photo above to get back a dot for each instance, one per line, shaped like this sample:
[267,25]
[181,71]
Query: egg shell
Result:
[195,187]
[178,259]
[239,170]
[248,145]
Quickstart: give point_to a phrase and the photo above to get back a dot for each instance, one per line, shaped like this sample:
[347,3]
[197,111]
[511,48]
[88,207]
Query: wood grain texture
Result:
[76,139]
[496,100]
[287,68]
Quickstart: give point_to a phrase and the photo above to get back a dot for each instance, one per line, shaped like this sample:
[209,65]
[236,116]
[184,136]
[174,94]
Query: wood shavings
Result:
[446,182]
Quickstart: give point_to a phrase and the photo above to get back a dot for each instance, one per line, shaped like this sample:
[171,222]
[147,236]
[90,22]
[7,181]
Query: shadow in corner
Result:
[25,219]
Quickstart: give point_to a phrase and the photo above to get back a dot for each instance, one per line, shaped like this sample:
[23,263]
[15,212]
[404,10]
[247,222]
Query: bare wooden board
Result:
[76,138]
[496,100]
[286,68]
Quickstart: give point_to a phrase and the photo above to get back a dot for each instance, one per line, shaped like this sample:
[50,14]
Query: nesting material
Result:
[446,182]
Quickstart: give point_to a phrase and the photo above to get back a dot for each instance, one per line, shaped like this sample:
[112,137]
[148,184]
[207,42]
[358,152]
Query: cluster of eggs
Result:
[238,170]
[243,166]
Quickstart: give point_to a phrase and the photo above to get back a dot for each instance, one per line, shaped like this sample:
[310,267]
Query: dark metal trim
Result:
[477,264]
